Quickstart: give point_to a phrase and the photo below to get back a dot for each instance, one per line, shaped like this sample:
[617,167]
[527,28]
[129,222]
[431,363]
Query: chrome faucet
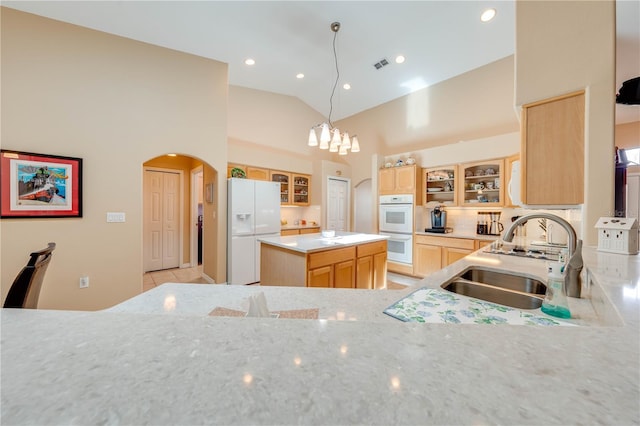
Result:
[573,281]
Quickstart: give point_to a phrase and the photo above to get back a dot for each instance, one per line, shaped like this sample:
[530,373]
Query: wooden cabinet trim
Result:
[462,243]
[329,257]
[371,248]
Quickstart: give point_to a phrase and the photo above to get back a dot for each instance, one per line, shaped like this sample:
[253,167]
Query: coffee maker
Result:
[438,221]
[489,223]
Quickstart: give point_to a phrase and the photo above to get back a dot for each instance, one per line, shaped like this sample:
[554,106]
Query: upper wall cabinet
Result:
[399,180]
[552,151]
[301,189]
[481,183]
[440,185]
[284,179]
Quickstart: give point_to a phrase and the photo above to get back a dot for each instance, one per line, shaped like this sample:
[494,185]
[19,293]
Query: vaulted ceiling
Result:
[439,40]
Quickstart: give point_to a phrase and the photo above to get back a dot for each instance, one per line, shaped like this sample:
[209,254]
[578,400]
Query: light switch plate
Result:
[116,217]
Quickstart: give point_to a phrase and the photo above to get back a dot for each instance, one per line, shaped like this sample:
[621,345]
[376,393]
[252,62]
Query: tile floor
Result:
[194,276]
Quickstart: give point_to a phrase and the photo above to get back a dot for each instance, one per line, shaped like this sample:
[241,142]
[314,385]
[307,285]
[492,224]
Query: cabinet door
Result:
[380,270]
[405,180]
[286,232]
[450,255]
[364,272]
[257,173]
[285,185]
[440,186]
[320,277]
[482,243]
[481,184]
[553,151]
[387,181]
[344,274]
[428,259]
[301,189]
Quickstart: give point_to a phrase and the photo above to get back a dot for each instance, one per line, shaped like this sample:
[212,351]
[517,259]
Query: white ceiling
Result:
[440,39]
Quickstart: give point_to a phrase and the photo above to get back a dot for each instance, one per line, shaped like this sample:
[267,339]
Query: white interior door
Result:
[161,220]
[338,204]
[633,195]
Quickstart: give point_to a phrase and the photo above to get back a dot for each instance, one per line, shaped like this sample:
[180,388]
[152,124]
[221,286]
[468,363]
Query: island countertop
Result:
[63,367]
[309,243]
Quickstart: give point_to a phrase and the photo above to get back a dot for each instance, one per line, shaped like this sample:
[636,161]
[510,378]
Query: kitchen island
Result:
[346,260]
[166,365]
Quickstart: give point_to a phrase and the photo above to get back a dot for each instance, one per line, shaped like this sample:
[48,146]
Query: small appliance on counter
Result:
[489,223]
[439,221]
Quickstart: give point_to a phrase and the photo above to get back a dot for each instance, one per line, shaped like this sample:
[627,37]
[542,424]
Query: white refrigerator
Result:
[253,212]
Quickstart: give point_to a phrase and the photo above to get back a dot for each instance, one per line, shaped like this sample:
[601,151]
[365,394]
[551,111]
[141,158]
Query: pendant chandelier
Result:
[330,137]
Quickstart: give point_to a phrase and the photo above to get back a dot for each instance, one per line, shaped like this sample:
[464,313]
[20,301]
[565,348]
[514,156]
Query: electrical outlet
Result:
[84,282]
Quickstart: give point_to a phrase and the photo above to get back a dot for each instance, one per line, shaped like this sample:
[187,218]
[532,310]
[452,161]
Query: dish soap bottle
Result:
[555,299]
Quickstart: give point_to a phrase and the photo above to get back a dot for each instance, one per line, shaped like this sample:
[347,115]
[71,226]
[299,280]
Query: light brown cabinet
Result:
[371,265]
[481,183]
[440,185]
[552,151]
[434,253]
[362,266]
[285,232]
[399,180]
[332,268]
[284,178]
[257,173]
[295,188]
[301,189]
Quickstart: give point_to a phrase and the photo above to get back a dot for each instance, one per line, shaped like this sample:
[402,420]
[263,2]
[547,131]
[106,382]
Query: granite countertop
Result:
[63,367]
[309,243]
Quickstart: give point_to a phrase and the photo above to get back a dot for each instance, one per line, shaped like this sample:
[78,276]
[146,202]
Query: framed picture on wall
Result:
[39,185]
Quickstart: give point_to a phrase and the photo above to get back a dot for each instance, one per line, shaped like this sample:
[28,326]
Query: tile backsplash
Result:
[292,214]
[464,221]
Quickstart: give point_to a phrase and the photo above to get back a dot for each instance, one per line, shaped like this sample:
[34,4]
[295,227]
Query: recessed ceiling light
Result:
[249,61]
[488,15]
[299,75]
[346,86]
[399,59]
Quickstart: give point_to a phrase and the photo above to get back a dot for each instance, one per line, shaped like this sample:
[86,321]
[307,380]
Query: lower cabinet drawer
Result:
[330,257]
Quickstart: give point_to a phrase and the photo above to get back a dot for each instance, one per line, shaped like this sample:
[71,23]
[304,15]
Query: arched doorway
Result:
[175,220]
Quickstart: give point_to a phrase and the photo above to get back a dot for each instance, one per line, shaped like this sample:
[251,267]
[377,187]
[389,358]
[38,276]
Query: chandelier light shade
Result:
[330,137]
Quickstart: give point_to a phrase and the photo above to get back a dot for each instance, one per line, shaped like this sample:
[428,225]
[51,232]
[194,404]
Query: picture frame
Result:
[39,185]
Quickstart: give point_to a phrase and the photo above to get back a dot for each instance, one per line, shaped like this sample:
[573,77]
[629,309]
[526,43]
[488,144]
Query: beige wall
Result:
[473,105]
[563,47]
[116,103]
[271,130]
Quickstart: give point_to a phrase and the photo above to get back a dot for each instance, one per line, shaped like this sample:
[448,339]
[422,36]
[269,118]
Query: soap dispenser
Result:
[555,299]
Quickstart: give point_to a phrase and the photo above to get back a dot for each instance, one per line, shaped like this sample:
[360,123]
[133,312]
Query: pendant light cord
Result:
[335,58]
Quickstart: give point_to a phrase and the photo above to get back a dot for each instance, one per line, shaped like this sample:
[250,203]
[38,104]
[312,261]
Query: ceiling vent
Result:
[381,63]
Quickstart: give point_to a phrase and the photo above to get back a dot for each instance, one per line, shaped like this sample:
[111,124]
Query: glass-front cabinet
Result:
[301,189]
[440,185]
[482,183]
[285,185]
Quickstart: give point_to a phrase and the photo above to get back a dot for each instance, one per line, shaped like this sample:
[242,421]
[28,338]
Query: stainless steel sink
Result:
[516,291]
[505,280]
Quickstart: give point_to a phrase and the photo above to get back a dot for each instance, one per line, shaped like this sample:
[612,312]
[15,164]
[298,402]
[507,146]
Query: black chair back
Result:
[25,290]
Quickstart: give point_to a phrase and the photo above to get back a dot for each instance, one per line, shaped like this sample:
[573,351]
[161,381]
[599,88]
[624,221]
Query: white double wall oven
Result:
[396,222]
